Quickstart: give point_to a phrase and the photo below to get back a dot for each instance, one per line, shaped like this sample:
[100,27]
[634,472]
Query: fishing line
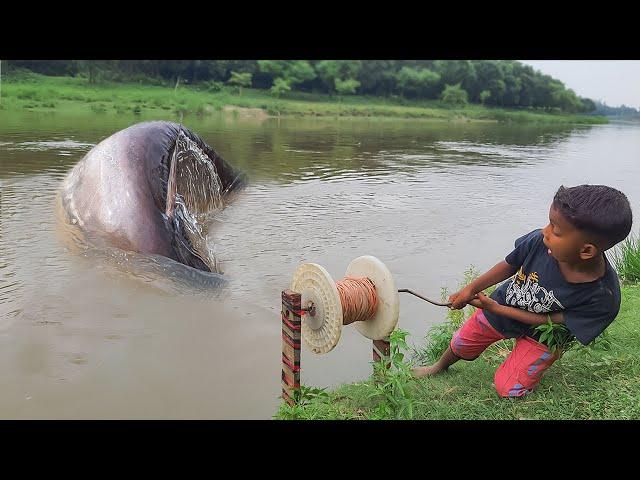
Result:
[358,299]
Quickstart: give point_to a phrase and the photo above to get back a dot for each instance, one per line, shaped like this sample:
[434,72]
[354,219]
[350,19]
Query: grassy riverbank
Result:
[67,94]
[597,382]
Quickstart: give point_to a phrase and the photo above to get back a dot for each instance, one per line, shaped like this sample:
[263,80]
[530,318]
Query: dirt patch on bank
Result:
[253,113]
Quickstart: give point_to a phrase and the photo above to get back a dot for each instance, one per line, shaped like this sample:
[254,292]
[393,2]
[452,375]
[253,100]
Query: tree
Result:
[489,76]
[422,83]
[346,87]
[89,67]
[566,100]
[484,96]
[293,72]
[497,87]
[341,70]
[511,96]
[240,80]
[287,73]
[377,77]
[527,82]
[588,105]
[46,67]
[279,87]
[456,71]
[454,95]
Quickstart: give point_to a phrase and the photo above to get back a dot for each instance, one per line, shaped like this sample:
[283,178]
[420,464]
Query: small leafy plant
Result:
[307,395]
[556,336]
[392,377]
[305,398]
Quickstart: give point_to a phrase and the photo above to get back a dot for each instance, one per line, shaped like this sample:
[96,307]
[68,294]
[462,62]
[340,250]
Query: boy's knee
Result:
[509,388]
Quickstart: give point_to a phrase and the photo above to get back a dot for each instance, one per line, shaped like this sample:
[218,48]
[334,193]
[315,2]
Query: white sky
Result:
[614,82]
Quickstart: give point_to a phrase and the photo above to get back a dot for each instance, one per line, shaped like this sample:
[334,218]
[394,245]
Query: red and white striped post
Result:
[291,340]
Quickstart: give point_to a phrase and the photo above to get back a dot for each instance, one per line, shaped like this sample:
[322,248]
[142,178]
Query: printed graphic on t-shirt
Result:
[525,292]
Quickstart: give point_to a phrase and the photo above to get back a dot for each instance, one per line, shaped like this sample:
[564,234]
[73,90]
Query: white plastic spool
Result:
[321,330]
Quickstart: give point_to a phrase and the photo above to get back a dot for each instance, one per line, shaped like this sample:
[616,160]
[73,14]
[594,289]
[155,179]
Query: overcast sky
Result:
[615,82]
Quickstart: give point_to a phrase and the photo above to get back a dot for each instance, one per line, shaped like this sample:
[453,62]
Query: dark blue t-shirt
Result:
[539,287]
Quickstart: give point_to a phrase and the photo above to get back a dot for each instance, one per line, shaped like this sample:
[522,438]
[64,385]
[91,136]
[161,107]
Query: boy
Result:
[562,274]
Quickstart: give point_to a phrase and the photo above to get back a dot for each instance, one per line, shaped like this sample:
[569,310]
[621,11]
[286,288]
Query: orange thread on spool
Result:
[358,298]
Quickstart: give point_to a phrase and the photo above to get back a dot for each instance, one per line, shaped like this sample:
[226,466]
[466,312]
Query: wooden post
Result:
[382,348]
[291,339]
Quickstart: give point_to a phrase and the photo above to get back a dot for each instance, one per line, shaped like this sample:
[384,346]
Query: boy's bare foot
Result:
[447,359]
[427,371]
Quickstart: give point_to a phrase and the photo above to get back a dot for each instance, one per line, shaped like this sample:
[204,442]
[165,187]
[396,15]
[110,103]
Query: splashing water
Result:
[198,197]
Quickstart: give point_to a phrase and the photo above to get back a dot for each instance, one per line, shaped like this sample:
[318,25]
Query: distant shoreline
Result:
[76,95]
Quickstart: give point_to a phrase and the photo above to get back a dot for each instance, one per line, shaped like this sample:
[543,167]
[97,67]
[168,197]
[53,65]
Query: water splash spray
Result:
[194,195]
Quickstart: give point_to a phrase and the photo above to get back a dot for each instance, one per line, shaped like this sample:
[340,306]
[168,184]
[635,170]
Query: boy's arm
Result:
[497,274]
[522,316]
[530,318]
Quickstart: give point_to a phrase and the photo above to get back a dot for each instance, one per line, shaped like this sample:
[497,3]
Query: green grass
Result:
[37,92]
[626,258]
[597,382]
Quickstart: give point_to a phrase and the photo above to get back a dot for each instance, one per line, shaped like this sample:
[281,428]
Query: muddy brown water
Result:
[112,335]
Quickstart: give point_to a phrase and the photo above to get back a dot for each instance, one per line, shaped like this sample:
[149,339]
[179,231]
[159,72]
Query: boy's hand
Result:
[485,303]
[461,298]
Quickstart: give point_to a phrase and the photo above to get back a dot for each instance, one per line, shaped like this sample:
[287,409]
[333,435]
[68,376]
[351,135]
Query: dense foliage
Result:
[503,83]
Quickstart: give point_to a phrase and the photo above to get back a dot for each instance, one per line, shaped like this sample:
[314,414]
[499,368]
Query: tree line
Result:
[621,111]
[503,83]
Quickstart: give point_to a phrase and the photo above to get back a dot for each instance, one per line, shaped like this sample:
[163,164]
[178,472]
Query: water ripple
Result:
[46,145]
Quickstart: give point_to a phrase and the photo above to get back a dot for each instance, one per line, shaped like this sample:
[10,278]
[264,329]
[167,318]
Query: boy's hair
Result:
[601,211]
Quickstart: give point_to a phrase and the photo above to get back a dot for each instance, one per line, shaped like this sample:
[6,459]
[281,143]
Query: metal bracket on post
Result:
[291,340]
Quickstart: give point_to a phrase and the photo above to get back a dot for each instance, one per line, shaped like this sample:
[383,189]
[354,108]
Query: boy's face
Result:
[565,242]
